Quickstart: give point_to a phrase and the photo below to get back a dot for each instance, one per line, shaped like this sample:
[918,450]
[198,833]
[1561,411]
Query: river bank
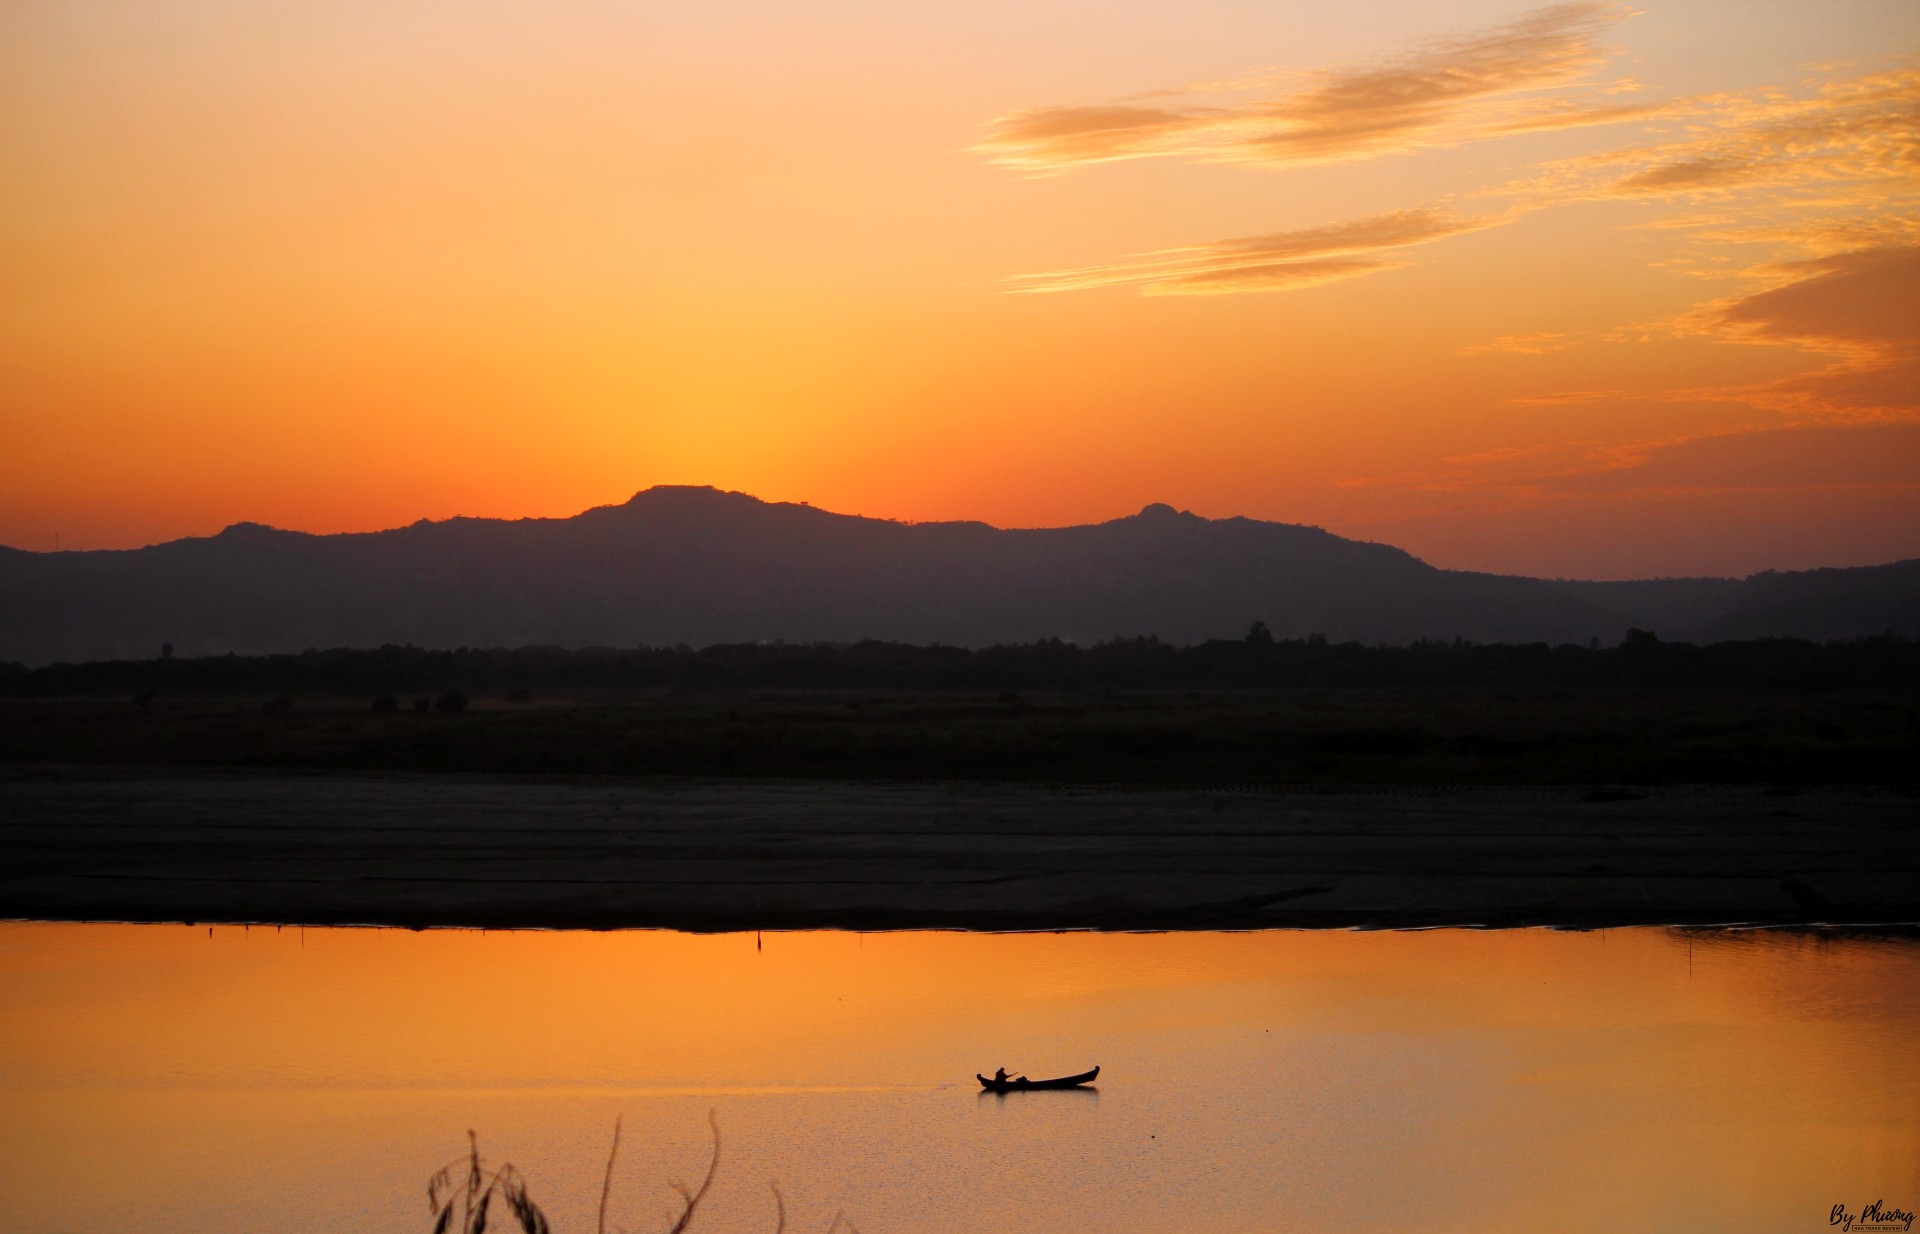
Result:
[419,851]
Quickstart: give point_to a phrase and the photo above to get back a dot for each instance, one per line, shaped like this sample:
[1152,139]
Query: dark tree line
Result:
[1642,662]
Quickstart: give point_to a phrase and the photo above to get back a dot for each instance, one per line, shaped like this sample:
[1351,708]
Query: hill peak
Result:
[691,495]
[248,531]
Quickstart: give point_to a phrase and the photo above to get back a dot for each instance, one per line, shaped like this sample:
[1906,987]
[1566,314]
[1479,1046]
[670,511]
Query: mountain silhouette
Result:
[701,566]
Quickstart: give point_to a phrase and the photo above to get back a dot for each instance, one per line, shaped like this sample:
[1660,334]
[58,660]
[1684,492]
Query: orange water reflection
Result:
[168,1077]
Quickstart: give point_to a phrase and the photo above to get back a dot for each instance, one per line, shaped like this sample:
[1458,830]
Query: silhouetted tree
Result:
[1259,635]
[452,702]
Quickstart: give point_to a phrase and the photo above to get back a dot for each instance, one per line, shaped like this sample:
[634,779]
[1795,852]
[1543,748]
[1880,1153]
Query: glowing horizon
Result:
[1576,291]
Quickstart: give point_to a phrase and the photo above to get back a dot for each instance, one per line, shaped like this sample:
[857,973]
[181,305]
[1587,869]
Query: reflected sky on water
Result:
[173,1078]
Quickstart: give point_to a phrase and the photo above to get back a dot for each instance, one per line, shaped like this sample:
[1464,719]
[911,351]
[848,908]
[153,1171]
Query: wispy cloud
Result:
[1265,263]
[1860,310]
[1446,93]
[1752,180]
[1759,458]
[1852,423]
[1538,343]
[1572,398]
[1864,301]
[1840,146]
[1777,190]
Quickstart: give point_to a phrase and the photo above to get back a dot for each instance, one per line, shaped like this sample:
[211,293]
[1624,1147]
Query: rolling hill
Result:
[700,566]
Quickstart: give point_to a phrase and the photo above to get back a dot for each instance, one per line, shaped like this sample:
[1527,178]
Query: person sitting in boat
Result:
[1001,1077]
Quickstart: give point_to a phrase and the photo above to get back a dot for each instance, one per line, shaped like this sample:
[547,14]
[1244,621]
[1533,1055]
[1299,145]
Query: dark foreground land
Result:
[472,851]
[1430,738]
[1128,786]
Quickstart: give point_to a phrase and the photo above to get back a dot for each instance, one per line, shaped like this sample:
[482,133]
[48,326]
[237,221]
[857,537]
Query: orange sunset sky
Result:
[1589,290]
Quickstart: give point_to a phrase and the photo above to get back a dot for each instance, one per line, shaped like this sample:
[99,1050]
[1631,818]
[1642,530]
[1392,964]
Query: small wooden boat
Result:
[1023,1084]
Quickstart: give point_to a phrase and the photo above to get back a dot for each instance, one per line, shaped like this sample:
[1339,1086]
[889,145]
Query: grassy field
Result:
[1346,737]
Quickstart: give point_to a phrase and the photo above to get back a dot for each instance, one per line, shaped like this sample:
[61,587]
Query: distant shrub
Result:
[276,704]
[423,704]
[386,703]
[451,702]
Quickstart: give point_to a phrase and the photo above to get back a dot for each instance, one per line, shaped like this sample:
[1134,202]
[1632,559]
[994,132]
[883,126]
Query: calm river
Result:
[179,1079]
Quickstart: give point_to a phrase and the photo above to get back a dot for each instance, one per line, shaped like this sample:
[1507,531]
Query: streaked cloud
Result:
[1446,93]
[1538,343]
[1773,189]
[1572,398]
[1270,262]
[1832,167]
[1851,130]
[1764,459]
[1861,311]
[1849,423]
[1505,471]
[1839,146]
[1819,192]
[1774,458]
[1857,313]
[1866,299]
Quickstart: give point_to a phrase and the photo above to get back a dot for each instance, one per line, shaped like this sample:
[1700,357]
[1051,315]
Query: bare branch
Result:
[473,1179]
[693,1200]
[606,1184]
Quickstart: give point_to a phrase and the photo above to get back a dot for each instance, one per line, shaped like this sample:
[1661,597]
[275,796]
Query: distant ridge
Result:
[702,566]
